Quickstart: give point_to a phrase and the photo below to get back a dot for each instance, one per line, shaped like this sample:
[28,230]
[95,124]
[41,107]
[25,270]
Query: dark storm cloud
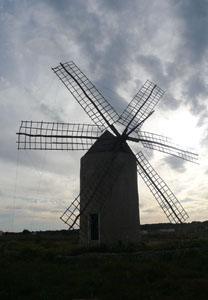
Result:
[109,38]
[196,86]
[153,65]
[117,5]
[149,211]
[195,91]
[101,40]
[170,102]
[52,114]
[192,51]
[176,163]
[106,37]
[187,200]
[193,15]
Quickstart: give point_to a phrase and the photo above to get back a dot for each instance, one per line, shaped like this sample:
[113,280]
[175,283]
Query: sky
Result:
[118,44]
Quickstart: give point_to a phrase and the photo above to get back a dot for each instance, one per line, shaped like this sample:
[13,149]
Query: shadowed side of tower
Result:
[110,205]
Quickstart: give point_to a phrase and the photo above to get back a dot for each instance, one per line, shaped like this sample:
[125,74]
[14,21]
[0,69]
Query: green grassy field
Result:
[54,267]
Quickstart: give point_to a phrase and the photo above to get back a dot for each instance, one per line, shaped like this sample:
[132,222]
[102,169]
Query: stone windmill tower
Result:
[106,210]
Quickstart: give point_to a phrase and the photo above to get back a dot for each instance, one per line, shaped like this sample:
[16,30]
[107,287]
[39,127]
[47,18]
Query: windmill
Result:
[106,210]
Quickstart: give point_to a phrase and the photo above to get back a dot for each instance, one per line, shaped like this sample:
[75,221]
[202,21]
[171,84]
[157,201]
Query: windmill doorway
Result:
[94,227]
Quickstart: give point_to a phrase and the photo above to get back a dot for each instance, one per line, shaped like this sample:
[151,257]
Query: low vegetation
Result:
[51,265]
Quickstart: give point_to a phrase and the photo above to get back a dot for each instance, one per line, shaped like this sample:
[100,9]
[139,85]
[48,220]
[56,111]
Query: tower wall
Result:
[115,200]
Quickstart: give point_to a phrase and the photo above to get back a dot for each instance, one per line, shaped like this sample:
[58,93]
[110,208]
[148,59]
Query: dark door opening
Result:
[93,227]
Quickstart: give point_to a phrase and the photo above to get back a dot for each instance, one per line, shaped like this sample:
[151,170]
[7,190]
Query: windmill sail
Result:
[71,215]
[166,145]
[162,193]
[95,105]
[141,105]
[57,136]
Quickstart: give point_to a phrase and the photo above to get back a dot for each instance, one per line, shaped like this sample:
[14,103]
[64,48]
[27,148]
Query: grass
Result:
[55,268]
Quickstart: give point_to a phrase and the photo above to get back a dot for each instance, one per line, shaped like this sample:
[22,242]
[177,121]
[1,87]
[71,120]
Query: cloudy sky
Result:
[118,44]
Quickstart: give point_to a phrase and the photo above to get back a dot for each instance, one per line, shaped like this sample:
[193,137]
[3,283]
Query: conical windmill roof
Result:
[107,142]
